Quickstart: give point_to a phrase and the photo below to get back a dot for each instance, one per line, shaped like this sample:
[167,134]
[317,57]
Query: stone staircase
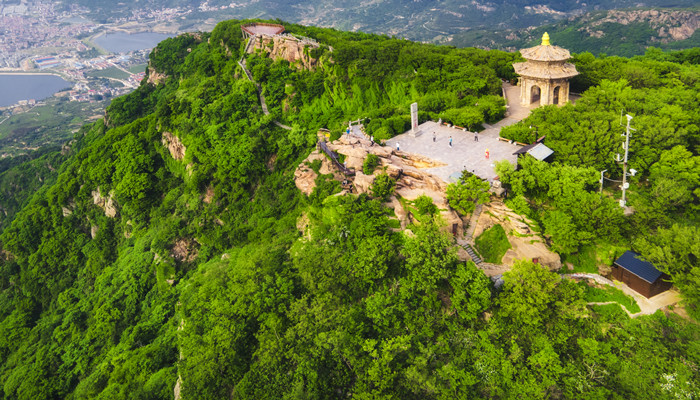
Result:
[472,253]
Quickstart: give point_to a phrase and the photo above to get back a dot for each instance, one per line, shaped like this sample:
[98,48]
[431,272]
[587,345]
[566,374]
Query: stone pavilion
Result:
[544,77]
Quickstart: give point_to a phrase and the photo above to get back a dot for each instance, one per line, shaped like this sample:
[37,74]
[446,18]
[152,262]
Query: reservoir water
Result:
[121,42]
[14,87]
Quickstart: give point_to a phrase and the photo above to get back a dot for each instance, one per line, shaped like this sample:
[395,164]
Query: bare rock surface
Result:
[154,77]
[286,47]
[305,177]
[106,203]
[184,250]
[174,146]
[526,244]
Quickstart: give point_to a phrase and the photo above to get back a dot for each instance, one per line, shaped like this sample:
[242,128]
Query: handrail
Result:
[334,157]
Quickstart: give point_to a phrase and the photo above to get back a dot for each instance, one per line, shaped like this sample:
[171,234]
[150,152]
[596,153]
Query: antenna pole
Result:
[624,163]
[601,180]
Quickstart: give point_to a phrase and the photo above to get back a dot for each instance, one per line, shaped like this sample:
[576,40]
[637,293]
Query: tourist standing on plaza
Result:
[476,136]
[450,141]
[397,146]
[487,154]
[433,137]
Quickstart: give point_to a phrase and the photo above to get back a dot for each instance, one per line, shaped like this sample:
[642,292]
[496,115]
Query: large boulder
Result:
[363,182]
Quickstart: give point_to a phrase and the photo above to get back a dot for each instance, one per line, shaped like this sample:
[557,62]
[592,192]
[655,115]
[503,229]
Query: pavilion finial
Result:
[545,39]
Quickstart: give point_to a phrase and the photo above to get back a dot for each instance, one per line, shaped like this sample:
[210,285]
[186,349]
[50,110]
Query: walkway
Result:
[465,153]
[648,306]
[263,104]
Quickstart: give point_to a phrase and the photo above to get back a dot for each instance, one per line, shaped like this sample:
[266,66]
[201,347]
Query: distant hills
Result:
[615,32]
[424,20]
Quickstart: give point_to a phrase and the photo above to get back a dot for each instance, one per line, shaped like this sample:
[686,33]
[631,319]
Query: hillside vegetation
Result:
[174,254]
[624,32]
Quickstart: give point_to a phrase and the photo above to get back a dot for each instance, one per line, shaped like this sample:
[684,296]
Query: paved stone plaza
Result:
[465,153]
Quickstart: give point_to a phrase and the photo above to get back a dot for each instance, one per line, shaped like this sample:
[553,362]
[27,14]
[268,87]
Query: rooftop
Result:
[641,268]
[546,71]
[537,150]
[546,52]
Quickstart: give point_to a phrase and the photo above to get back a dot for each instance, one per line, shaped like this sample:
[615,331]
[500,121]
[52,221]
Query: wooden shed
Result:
[640,275]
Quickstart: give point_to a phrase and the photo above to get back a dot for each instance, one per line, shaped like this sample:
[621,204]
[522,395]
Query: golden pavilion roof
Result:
[546,52]
[545,71]
[545,61]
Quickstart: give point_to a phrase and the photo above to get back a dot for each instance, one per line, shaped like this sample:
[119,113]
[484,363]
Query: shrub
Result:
[370,163]
[325,186]
[383,187]
[431,102]
[315,165]
[467,117]
[493,244]
[519,133]
[519,204]
[492,107]
[383,133]
[425,205]
[464,195]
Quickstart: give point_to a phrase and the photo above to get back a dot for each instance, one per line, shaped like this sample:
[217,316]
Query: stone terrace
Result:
[465,153]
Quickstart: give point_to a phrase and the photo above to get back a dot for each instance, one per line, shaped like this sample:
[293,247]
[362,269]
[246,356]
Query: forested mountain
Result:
[626,32]
[145,269]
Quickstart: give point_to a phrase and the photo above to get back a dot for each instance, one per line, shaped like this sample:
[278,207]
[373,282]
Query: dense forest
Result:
[138,273]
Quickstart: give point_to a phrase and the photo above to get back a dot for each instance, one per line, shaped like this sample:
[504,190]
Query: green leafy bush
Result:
[520,133]
[468,117]
[383,187]
[464,195]
[315,165]
[325,186]
[493,244]
[519,204]
[425,205]
[383,133]
[370,163]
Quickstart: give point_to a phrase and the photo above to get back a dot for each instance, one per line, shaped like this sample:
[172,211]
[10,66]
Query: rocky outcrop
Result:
[670,24]
[93,230]
[154,77]
[185,250]
[106,203]
[305,177]
[526,243]
[407,169]
[286,47]
[208,194]
[174,145]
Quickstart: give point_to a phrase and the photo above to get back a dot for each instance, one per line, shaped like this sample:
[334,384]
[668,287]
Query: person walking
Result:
[476,136]
[371,140]
[487,154]
[450,141]
[397,146]
[433,137]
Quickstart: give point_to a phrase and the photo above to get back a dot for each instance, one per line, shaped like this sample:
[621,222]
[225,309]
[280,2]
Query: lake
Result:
[14,87]
[121,42]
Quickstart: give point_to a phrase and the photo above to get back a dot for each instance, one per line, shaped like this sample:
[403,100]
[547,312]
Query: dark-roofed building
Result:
[640,275]
[537,150]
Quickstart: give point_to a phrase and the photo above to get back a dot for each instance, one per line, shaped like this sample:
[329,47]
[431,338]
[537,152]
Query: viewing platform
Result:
[261,28]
